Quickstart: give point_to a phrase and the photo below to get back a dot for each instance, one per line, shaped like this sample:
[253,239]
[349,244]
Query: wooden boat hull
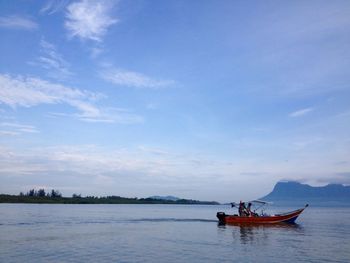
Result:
[289,218]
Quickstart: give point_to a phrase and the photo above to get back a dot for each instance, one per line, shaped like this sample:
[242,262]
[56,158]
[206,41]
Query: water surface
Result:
[165,233]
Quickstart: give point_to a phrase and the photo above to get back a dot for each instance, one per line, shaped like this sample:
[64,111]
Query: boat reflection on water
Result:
[260,234]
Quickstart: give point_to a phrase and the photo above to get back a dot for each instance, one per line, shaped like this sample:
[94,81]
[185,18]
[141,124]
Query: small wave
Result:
[156,220]
[135,220]
[28,223]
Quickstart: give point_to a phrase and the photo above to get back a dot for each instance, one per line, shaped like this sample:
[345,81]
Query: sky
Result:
[208,100]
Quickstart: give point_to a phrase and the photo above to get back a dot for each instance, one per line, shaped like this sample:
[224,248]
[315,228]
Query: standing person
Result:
[249,211]
[241,208]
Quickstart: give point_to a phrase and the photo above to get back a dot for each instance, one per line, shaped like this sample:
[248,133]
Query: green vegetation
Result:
[55,197]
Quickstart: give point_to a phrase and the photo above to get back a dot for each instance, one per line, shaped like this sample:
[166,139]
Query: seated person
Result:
[241,209]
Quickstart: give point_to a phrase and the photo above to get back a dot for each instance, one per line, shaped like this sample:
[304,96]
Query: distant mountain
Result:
[303,193]
[167,198]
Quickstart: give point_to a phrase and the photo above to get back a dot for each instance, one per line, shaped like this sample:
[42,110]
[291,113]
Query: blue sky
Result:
[198,99]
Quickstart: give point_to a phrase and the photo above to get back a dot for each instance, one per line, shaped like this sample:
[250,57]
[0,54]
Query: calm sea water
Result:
[165,233]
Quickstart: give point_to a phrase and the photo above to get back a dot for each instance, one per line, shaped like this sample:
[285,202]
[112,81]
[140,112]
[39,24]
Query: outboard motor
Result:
[221,216]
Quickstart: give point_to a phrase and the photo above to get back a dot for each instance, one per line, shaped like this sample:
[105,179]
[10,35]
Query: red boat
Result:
[263,218]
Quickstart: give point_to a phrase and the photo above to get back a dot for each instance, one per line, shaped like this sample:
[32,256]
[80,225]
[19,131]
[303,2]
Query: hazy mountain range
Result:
[303,193]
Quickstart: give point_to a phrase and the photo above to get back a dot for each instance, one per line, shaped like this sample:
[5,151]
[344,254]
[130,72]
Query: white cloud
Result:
[94,160]
[89,19]
[112,115]
[152,150]
[17,129]
[126,78]
[300,113]
[18,22]
[157,168]
[53,6]
[49,59]
[27,92]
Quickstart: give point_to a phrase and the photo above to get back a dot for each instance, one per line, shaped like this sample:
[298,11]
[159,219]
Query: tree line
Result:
[54,196]
[42,193]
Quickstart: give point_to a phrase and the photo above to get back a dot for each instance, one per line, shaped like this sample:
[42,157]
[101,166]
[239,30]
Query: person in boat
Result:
[249,211]
[242,210]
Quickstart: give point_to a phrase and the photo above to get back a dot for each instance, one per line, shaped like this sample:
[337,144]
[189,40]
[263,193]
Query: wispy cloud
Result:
[152,150]
[130,168]
[52,61]
[22,91]
[13,128]
[8,133]
[126,78]
[300,113]
[89,19]
[20,127]
[112,115]
[94,160]
[18,22]
[53,6]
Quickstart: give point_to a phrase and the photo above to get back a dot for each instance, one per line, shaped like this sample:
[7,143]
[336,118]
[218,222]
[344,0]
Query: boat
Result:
[262,218]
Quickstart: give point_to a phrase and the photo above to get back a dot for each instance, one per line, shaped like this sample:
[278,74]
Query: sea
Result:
[166,233]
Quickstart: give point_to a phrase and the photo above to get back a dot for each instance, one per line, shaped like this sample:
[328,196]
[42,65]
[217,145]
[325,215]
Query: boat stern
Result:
[221,216]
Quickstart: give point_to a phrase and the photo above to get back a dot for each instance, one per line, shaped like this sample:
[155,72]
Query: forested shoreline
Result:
[55,197]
